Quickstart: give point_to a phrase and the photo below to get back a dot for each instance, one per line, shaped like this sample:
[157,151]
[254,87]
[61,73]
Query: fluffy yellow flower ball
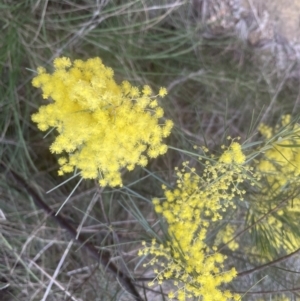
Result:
[102,126]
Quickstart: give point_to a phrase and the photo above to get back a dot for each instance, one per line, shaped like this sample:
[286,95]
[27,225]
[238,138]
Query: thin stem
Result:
[268,264]
[258,221]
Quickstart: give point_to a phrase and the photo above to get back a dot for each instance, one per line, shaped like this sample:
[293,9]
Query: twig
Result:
[53,278]
[268,264]
[257,222]
[104,258]
[296,289]
[32,263]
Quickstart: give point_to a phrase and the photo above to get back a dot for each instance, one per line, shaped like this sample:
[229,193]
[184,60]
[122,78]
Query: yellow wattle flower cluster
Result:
[225,236]
[233,155]
[280,168]
[103,127]
[281,163]
[190,210]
